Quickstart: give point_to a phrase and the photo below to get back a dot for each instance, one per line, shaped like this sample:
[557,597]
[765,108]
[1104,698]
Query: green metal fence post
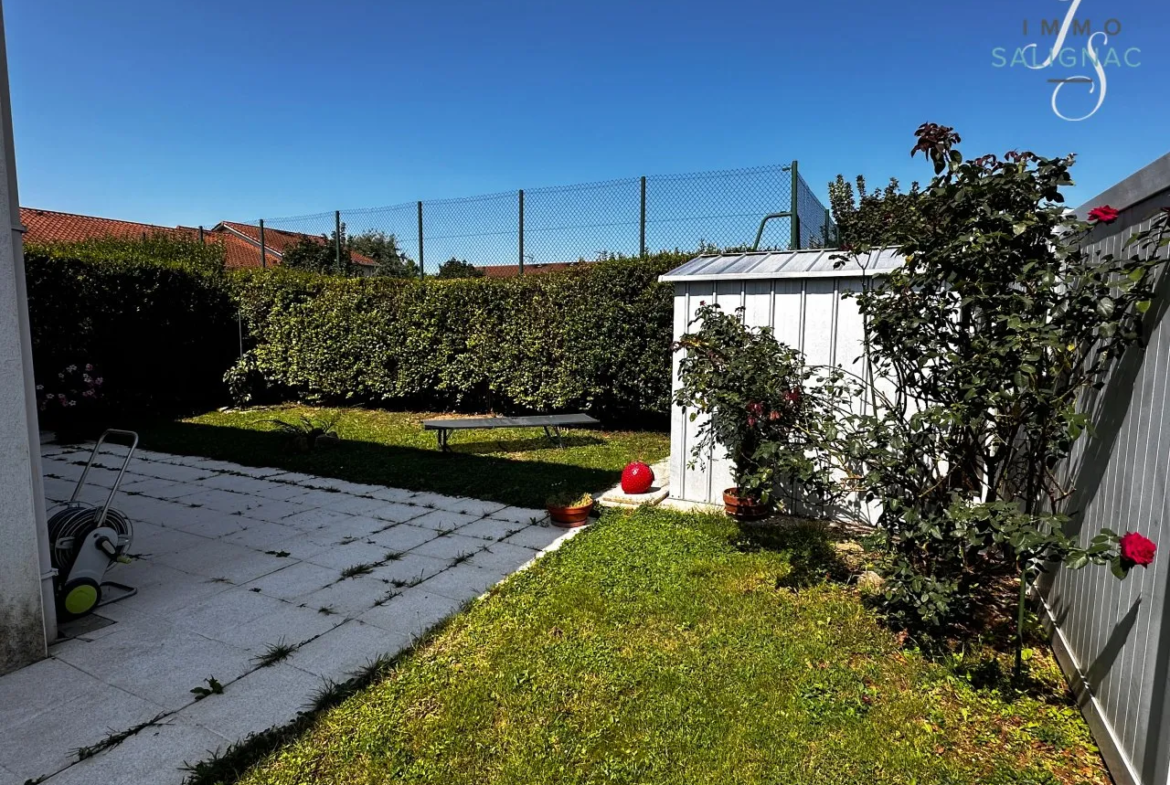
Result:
[263,253]
[642,220]
[825,230]
[521,231]
[794,242]
[201,236]
[421,274]
[337,239]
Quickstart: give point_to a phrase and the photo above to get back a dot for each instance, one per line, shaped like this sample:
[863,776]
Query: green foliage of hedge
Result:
[161,333]
[159,320]
[595,337]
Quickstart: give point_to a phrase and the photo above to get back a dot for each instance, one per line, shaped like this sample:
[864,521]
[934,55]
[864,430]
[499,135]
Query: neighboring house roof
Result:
[241,242]
[48,226]
[277,241]
[512,270]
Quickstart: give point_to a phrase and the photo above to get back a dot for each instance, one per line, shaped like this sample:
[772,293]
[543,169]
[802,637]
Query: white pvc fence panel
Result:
[1113,637]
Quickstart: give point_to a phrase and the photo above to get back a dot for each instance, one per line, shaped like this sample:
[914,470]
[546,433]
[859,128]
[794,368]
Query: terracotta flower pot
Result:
[744,508]
[570,517]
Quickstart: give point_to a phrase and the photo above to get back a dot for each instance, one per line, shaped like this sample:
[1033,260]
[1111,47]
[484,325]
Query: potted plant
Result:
[72,403]
[569,510]
[751,390]
[309,434]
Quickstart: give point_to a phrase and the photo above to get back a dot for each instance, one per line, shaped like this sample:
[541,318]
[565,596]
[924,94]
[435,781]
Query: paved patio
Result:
[229,561]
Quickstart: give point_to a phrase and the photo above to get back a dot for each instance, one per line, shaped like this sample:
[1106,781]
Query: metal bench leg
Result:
[443,434]
[560,441]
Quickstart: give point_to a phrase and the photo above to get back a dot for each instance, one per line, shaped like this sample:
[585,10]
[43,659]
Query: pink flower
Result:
[1136,549]
[89,366]
[1103,214]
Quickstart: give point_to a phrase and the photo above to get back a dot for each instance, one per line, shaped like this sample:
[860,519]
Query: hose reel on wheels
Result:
[87,539]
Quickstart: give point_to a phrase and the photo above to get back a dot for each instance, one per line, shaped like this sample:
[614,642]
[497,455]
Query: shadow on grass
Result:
[808,545]
[460,473]
[487,445]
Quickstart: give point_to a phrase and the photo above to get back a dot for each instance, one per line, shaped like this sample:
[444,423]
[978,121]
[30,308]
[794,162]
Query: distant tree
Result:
[384,249]
[458,268]
[318,255]
[873,218]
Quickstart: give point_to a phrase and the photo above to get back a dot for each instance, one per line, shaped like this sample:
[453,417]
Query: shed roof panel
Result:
[812,263]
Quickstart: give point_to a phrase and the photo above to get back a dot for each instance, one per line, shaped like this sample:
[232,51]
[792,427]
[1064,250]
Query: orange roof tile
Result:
[241,245]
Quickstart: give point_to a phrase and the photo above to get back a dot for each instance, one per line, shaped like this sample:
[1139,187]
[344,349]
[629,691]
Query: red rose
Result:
[1103,214]
[792,396]
[1136,549]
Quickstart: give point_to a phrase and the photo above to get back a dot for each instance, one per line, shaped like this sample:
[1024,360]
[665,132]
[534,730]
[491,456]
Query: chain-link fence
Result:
[528,230]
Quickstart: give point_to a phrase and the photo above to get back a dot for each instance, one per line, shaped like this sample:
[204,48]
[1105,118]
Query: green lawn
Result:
[660,647]
[514,466]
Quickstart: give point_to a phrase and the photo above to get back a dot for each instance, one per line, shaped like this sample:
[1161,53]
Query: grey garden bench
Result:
[552,424]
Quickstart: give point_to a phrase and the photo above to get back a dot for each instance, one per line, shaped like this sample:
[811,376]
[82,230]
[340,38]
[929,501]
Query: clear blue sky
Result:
[191,112]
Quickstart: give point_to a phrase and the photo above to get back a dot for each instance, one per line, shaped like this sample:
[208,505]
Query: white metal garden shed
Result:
[799,294]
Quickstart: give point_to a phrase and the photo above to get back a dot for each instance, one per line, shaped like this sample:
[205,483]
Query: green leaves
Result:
[595,338]
[999,320]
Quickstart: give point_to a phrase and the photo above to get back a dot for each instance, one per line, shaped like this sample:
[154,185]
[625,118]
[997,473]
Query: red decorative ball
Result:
[637,477]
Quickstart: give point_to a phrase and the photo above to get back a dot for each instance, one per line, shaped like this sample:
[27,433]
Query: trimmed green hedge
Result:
[595,337]
[160,333]
[163,334]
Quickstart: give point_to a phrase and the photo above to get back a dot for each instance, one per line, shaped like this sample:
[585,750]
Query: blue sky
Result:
[182,112]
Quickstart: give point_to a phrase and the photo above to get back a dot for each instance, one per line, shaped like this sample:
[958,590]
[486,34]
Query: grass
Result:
[668,648]
[512,466]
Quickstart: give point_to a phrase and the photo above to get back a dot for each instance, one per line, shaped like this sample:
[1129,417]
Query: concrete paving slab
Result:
[536,537]
[261,535]
[354,505]
[159,662]
[403,537]
[340,653]
[411,613]
[452,546]
[275,510]
[490,529]
[396,512]
[350,597]
[281,491]
[476,507]
[393,494]
[503,557]
[215,499]
[462,582]
[227,609]
[315,518]
[154,755]
[265,698]
[410,570]
[292,625]
[443,520]
[80,722]
[295,580]
[218,559]
[354,527]
[339,557]
[521,515]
